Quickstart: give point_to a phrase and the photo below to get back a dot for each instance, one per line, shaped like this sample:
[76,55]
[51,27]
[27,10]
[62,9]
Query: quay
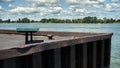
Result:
[65,50]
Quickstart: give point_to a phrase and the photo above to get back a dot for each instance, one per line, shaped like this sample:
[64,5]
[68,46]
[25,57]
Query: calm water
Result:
[115,28]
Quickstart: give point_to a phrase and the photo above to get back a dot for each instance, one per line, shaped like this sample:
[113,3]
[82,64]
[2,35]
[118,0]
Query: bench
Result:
[27,31]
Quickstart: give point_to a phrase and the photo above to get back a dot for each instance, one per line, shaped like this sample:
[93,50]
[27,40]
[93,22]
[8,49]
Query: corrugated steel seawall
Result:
[92,53]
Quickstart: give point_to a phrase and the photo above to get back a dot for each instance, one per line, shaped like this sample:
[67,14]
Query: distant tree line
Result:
[84,20]
[20,20]
[88,19]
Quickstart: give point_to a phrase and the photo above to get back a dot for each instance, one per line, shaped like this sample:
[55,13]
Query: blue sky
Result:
[63,9]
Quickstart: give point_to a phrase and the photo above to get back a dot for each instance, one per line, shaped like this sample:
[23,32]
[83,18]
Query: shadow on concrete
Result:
[35,41]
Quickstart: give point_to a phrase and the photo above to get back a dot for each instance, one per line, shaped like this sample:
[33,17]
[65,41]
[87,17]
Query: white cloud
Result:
[76,13]
[82,11]
[1,8]
[97,6]
[43,1]
[115,5]
[40,11]
[101,1]
[91,2]
[34,9]
[75,10]
[37,9]
[72,1]
[11,6]
[56,10]
[50,10]
[108,7]
[23,10]
[112,7]
[76,2]
[114,0]
[85,1]
[6,0]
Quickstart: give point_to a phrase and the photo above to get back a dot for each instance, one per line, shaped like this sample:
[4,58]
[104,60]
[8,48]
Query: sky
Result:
[61,9]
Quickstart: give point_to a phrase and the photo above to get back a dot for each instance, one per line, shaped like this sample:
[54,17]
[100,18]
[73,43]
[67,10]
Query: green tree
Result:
[44,20]
[19,20]
[8,20]
[25,20]
[87,19]
[118,21]
[1,21]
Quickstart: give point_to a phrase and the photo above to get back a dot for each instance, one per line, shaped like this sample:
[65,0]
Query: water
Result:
[115,28]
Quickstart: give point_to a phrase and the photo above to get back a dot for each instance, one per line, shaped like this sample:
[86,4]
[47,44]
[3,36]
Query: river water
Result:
[114,28]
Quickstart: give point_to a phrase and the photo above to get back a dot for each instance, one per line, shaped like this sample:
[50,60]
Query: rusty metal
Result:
[84,50]
[83,38]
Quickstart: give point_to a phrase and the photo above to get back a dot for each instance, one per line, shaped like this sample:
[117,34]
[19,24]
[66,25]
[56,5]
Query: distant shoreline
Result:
[58,23]
[87,20]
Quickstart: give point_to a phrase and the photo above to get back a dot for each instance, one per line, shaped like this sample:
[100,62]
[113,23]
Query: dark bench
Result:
[27,31]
